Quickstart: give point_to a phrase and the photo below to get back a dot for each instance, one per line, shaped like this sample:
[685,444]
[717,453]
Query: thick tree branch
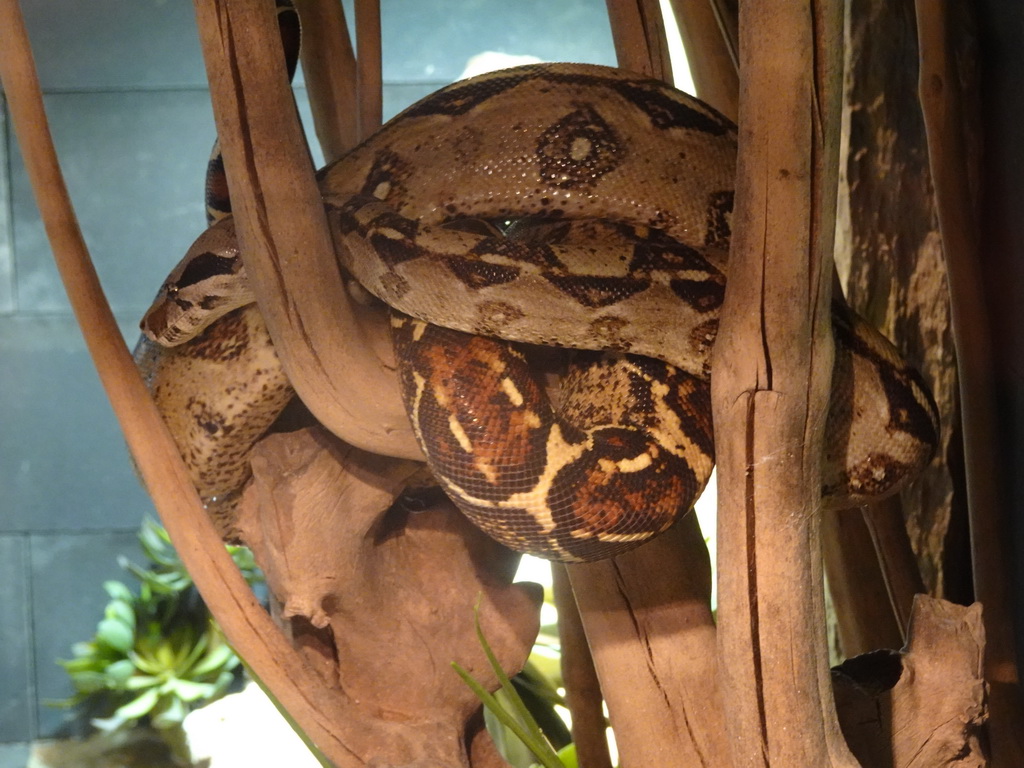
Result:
[773,364]
[369,66]
[337,355]
[712,61]
[638,32]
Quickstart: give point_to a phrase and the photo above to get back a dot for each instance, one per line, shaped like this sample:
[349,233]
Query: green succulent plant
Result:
[157,653]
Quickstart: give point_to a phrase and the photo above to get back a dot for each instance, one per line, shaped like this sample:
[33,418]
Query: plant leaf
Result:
[116,634]
[139,706]
[118,673]
[118,591]
[540,748]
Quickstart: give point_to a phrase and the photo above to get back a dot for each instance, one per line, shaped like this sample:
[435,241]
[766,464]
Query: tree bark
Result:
[950,122]
[926,706]
[361,593]
[773,363]
[648,617]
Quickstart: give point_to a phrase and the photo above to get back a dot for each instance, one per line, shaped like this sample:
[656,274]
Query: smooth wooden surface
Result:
[336,353]
[712,61]
[329,68]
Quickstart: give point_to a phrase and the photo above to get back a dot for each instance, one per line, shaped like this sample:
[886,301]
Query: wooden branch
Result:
[384,598]
[245,623]
[772,363]
[337,354]
[583,696]
[648,618]
[864,615]
[713,64]
[926,706]
[946,124]
[329,67]
[368,66]
[728,17]
[888,532]
[638,32]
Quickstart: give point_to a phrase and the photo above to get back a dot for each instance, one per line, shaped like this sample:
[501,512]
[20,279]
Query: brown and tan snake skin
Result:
[566,205]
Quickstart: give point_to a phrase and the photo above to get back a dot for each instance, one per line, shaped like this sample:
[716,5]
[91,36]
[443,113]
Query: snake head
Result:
[207,284]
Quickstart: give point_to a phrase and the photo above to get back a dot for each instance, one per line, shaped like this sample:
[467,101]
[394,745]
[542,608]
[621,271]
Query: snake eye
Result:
[172,289]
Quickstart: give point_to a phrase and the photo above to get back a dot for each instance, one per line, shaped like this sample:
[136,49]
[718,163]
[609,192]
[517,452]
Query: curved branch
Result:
[338,358]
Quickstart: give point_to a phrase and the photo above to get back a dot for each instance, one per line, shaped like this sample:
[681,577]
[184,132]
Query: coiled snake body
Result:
[568,205]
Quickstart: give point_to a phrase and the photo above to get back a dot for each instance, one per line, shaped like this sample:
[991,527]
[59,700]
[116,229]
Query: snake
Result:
[569,206]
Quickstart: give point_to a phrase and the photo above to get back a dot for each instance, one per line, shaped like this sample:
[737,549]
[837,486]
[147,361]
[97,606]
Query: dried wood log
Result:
[369,75]
[713,64]
[864,617]
[638,32]
[583,696]
[329,68]
[245,623]
[647,614]
[382,599]
[884,522]
[337,355]
[652,639]
[772,363]
[926,705]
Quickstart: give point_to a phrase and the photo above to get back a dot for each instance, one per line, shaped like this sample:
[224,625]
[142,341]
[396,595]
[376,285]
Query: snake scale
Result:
[565,205]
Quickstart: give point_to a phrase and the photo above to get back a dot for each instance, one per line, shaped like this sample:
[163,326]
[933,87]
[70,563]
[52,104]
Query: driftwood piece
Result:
[885,525]
[329,68]
[647,614]
[340,361]
[712,60]
[583,696]
[381,599]
[638,33]
[245,623]
[872,574]
[865,620]
[773,363]
[925,707]
[369,72]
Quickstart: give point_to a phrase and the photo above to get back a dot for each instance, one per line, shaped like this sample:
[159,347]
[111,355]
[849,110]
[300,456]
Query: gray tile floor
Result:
[126,97]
